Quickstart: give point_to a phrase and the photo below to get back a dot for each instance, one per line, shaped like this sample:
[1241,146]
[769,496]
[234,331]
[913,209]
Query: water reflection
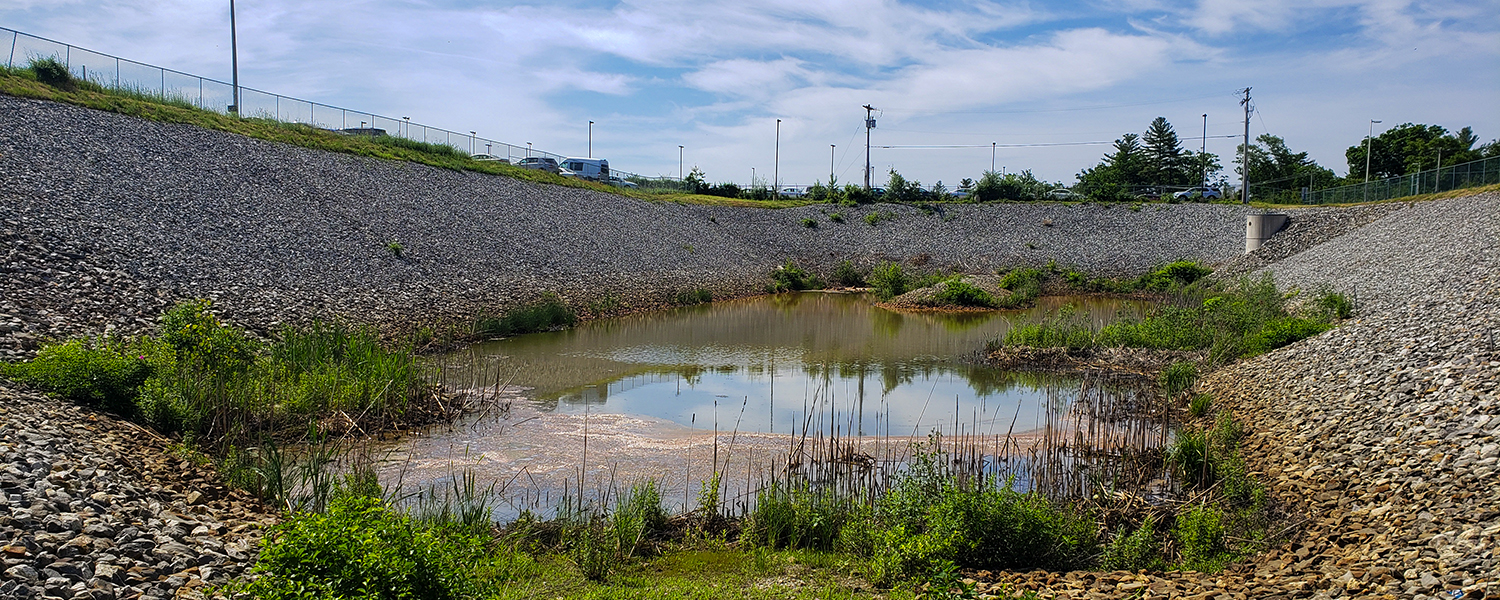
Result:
[782,364]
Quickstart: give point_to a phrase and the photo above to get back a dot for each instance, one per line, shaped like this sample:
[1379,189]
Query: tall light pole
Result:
[234,60]
[776,166]
[407,120]
[1203,151]
[528,149]
[679,162]
[869,124]
[1367,158]
[473,137]
[830,165]
[591,139]
[992,157]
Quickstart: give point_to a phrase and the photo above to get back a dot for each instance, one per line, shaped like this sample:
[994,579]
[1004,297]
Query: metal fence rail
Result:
[213,95]
[1485,171]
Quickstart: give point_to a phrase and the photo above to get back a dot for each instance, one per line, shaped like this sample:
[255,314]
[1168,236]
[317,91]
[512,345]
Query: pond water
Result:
[668,395]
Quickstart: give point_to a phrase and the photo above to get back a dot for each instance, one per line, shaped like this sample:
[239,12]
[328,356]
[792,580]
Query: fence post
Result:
[15,37]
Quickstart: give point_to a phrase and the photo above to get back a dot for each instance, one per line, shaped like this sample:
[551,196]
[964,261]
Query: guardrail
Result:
[213,95]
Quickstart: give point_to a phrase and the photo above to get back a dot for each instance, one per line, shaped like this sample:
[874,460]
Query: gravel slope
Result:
[273,231]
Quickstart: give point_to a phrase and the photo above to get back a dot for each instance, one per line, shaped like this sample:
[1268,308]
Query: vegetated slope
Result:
[275,232]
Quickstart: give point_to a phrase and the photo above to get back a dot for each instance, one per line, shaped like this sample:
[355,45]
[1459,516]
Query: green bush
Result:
[548,313]
[957,292]
[1025,285]
[790,278]
[888,280]
[691,297]
[53,72]
[876,217]
[1333,305]
[795,517]
[1201,536]
[106,372]
[848,276]
[1178,378]
[362,549]
[836,217]
[1139,549]
[810,223]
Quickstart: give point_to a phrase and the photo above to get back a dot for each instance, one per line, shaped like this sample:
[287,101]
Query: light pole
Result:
[679,162]
[1203,151]
[1367,158]
[473,137]
[830,165]
[234,60]
[776,166]
[407,120]
[528,149]
[591,140]
[992,157]
[752,178]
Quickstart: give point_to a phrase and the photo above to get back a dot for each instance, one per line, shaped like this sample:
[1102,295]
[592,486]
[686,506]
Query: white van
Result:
[596,169]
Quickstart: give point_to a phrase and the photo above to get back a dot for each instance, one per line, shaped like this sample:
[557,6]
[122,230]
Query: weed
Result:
[547,313]
[53,72]
[957,292]
[836,217]
[789,277]
[395,248]
[1060,330]
[106,372]
[810,223]
[692,297]
[1139,549]
[1178,378]
[1200,532]
[876,217]
[1199,405]
[1333,305]
[846,275]
[888,280]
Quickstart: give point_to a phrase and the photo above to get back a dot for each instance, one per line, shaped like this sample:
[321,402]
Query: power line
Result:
[1047,110]
[1032,145]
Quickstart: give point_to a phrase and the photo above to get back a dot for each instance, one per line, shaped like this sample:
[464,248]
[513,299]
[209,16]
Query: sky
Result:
[1049,84]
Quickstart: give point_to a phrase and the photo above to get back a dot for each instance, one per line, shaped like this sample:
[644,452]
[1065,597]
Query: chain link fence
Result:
[213,95]
[1463,175]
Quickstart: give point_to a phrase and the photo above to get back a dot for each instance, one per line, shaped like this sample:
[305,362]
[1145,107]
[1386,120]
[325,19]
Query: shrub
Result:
[362,549]
[1333,305]
[53,72]
[888,280]
[790,277]
[542,315]
[395,248]
[1060,330]
[846,275]
[810,223]
[1200,534]
[795,517]
[876,217]
[1139,549]
[106,372]
[691,297]
[957,292]
[836,217]
[1025,285]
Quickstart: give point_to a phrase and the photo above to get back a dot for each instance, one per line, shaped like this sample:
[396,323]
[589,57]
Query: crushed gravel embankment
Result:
[1382,436]
[108,218]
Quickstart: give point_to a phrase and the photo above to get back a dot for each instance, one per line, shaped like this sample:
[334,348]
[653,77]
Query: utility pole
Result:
[1436,173]
[776,165]
[234,60]
[1245,153]
[591,141]
[679,162]
[1367,158]
[830,165]
[869,124]
[1203,152]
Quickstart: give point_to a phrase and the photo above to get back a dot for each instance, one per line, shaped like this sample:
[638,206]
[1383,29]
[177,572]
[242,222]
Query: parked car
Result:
[793,192]
[490,158]
[1205,193]
[540,163]
[1064,194]
[596,169]
[617,182]
[569,173]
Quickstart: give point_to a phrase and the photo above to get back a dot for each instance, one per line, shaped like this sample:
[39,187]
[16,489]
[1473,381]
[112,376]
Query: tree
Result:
[1408,148]
[899,189]
[694,180]
[1164,158]
[1116,176]
[939,192]
[1278,173]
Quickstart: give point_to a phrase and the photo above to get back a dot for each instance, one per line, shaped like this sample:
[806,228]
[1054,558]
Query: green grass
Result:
[957,292]
[545,314]
[24,82]
[1230,321]
[692,297]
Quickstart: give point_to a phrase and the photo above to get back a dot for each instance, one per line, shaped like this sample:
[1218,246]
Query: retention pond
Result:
[766,387]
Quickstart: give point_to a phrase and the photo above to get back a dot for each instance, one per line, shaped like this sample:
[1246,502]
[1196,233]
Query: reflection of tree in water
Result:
[787,302]
[886,322]
[960,322]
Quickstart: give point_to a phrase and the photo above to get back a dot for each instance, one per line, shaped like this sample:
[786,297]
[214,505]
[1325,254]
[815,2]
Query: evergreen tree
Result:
[1164,158]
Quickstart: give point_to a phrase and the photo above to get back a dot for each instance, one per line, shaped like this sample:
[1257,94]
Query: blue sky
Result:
[714,75]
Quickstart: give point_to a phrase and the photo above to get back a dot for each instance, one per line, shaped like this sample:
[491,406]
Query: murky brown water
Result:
[659,396]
